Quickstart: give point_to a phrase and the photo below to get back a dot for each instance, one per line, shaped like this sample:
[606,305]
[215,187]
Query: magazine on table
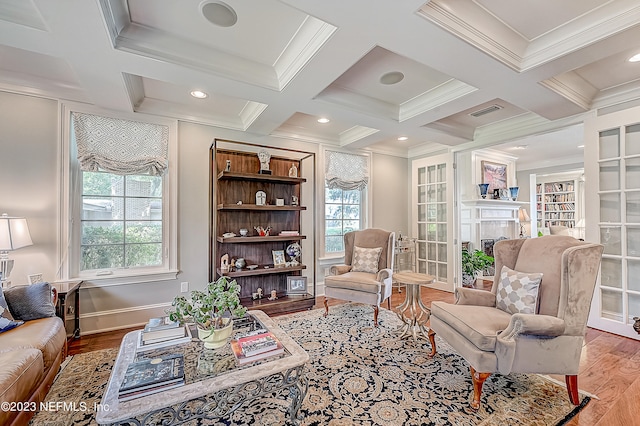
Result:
[142,345]
[256,345]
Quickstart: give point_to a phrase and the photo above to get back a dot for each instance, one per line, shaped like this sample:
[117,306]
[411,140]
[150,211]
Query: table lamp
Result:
[14,234]
[524,218]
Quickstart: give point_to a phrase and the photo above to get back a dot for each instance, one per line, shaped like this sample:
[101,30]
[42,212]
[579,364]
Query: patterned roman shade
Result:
[346,171]
[120,146]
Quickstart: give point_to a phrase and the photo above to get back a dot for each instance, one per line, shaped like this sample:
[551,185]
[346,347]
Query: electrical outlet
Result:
[184,287]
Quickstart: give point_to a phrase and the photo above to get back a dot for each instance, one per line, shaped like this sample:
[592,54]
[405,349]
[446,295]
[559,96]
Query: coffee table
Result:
[215,385]
[413,313]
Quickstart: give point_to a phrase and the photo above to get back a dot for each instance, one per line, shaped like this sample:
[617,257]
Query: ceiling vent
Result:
[485,111]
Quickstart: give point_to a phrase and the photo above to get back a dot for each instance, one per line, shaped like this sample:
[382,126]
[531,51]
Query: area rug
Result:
[358,375]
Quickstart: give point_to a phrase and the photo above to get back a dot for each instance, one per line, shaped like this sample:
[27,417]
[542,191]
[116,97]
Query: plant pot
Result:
[216,338]
[468,280]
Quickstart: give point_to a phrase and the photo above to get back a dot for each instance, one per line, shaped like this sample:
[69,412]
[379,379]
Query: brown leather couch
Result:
[30,357]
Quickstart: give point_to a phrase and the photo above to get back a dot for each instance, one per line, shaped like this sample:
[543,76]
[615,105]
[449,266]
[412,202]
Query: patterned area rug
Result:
[358,375]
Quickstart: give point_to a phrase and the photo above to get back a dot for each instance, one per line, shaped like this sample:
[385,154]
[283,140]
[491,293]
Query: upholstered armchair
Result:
[366,274]
[534,318]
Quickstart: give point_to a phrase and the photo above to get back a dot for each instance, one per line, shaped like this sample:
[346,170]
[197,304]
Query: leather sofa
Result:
[30,357]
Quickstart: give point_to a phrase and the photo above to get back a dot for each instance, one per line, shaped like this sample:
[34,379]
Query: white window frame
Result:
[69,230]
[365,204]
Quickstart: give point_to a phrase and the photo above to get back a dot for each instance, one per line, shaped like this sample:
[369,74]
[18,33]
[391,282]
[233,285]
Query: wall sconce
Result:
[14,234]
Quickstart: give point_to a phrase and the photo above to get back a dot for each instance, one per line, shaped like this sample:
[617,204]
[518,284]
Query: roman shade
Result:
[346,171]
[119,146]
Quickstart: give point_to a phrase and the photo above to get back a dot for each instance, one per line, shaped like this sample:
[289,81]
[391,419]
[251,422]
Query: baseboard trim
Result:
[117,319]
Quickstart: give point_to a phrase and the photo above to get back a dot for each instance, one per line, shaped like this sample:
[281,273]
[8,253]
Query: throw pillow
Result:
[6,320]
[365,259]
[29,302]
[518,291]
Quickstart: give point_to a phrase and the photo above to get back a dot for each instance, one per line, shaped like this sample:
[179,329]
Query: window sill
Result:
[127,277]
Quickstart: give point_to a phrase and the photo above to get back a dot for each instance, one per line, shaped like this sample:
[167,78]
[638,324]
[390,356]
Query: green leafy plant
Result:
[208,308]
[475,260]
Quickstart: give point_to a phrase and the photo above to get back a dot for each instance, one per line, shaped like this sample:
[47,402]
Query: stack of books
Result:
[256,345]
[149,376]
[161,332]
[289,233]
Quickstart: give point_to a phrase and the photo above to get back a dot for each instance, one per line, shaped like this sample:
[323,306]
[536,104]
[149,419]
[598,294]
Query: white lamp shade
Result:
[14,233]
[523,216]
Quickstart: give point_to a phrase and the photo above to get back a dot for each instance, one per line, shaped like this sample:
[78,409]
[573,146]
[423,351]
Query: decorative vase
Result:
[514,192]
[484,187]
[294,250]
[240,263]
[217,337]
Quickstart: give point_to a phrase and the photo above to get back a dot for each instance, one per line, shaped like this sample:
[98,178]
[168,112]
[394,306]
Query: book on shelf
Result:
[152,375]
[149,344]
[289,233]
[256,346]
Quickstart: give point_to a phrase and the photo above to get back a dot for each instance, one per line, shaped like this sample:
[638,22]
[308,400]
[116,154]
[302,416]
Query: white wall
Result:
[28,178]
[29,168]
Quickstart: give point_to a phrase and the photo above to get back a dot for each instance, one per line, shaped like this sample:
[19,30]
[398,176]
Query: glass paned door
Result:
[616,168]
[432,218]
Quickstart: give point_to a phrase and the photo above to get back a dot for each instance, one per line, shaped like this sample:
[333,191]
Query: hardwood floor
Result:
[609,367]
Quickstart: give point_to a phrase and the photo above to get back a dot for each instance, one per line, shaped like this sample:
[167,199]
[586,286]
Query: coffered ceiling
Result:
[440,73]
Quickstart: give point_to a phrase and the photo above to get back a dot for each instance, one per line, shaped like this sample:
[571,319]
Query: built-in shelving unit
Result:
[235,180]
[556,203]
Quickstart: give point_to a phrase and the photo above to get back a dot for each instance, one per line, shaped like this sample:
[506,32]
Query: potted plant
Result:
[472,263]
[212,311]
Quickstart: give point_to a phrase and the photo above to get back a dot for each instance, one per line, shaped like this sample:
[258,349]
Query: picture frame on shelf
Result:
[278,258]
[495,174]
[35,278]
[296,285]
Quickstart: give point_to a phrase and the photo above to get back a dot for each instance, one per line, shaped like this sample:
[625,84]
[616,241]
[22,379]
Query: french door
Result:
[432,218]
[612,160]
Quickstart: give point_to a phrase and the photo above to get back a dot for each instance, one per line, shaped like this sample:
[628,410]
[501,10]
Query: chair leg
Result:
[375,315]
[389,302]
[432,339]
[326,307]
[572,388]
[478,380]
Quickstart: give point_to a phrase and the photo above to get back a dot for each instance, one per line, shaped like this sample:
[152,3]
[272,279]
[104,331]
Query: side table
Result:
[68,306]
[413,313]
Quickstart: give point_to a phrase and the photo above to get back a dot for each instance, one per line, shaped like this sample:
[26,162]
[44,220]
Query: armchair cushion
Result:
[356,281]
[478,324]
[474,296]
[517,292]
[365,259]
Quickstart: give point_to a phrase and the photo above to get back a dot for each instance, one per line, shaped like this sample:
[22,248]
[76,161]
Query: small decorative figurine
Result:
[263,232]
[274,295]
[259,291]
[243,232]
[293,171]
[279,201]
[240,263]
[228,167]
[294,200]
[261,198]
[224,263]
[264,158]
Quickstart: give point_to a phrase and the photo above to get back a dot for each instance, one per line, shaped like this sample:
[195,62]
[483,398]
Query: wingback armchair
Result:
[534,318]
[366,274]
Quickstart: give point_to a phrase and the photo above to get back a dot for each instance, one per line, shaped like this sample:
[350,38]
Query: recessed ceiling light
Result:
[198,94]
[392,77]
[403,138]
[219,13]
[521,147]
[635,58]
[323,120]
[580,146]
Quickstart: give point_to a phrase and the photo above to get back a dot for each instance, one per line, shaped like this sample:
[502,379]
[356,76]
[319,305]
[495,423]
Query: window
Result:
[343,213]
[120,220]
[121,224]
[346,180]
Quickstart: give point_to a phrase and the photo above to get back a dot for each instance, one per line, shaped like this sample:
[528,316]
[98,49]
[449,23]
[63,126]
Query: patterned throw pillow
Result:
[29,302]
[6,320]
[518,291]
[365,259]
